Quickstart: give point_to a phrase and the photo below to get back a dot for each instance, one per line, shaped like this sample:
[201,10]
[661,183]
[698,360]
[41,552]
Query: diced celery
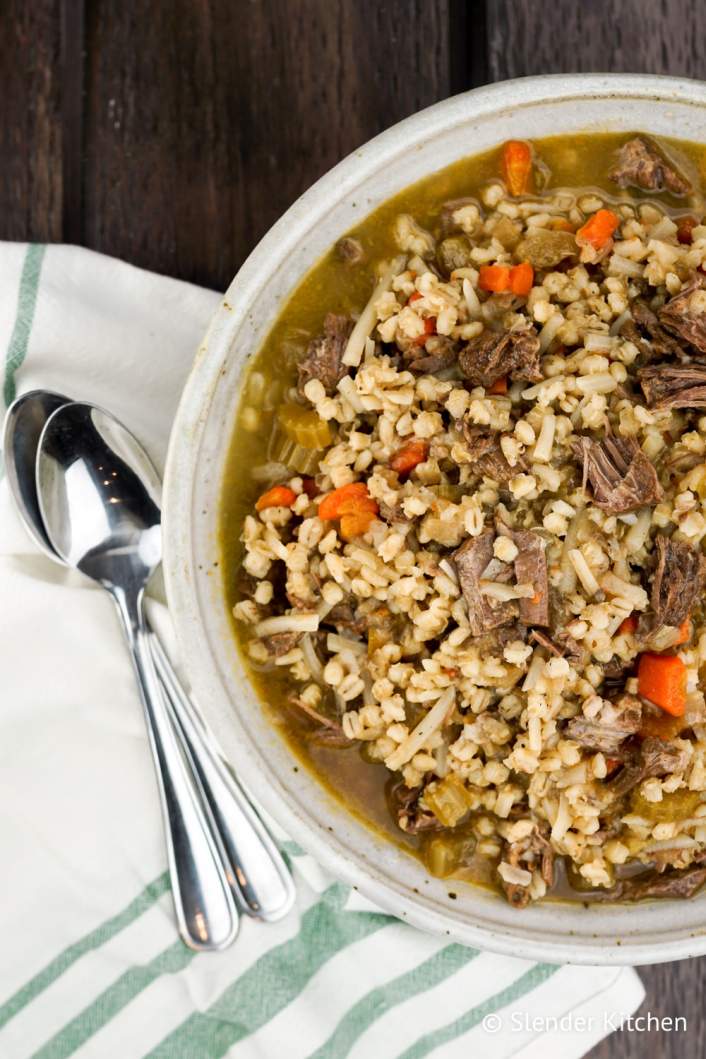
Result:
[675,805]
[303,426]
[448,801]
[445,854]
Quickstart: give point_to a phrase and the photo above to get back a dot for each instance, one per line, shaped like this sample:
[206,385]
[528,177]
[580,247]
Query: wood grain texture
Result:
[205,121]
[31,127]
[673,989]
[562,36]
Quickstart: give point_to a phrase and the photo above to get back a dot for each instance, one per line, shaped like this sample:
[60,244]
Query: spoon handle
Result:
[262,880]
[204,904]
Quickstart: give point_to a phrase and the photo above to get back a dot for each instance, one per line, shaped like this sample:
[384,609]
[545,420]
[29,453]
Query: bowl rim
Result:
[191,418]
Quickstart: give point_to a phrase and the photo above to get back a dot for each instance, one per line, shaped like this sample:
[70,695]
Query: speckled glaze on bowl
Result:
[531,107]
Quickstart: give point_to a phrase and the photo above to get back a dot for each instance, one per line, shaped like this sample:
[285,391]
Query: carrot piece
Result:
[330,506]
[406,459]
[517,166]
[521,278]
[414,297]
[598,229]
[494,278]
[662,680]
[499,386]
[277,496]
[684,633]
[353,505]
[354,525]
[429,329]
[628,625]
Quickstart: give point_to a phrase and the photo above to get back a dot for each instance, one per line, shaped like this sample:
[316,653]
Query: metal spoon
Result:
[254,866]
[103,520]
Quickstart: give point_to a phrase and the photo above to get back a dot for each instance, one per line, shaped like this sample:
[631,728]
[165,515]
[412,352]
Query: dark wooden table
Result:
[173,133]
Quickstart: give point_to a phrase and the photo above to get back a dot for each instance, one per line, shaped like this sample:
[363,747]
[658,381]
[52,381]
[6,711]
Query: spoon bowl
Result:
[24,422]
[99,497]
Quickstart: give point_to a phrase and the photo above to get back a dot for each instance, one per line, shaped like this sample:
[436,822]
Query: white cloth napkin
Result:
[92,964]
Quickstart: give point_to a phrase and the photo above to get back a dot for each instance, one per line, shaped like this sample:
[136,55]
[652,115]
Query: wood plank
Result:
[198,138]
[560,36]
[673,989]
[30,131]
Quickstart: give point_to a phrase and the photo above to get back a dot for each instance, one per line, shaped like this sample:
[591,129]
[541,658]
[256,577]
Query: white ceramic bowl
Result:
[466,124]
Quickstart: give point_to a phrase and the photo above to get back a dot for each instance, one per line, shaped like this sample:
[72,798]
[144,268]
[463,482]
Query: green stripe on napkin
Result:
[378,1002]
[26,302]
[517,989]
[274,981]
[102,934]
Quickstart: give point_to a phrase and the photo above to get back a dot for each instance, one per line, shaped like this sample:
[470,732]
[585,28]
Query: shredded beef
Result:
[344,616]
[685,315]
[620,474]
[391,513]
[678,386]
[437,353]
[280,643]
[404,804]
[645,330]
[494,465]
[561,645]
[676,582]
[326,730]
[531,569]
[487,458]
[470,560]
[493,643]
[350,250]
[682,884]
[533,850]
[615,669]
[494,355]
[654,758]
[641,165]
[323,357]
[607,736]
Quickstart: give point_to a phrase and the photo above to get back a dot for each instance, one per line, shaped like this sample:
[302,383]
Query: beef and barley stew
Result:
[464,519]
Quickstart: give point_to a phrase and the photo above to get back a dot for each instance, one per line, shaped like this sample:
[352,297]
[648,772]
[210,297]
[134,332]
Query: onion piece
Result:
[311,658]
[368,318]
[418,736]
[472,300]
[679,842]
[300,622]
[513,875]
[583,571]
[449,570]
[549,331]
[619,321]
[335,642]
[568,576]
[504,593]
